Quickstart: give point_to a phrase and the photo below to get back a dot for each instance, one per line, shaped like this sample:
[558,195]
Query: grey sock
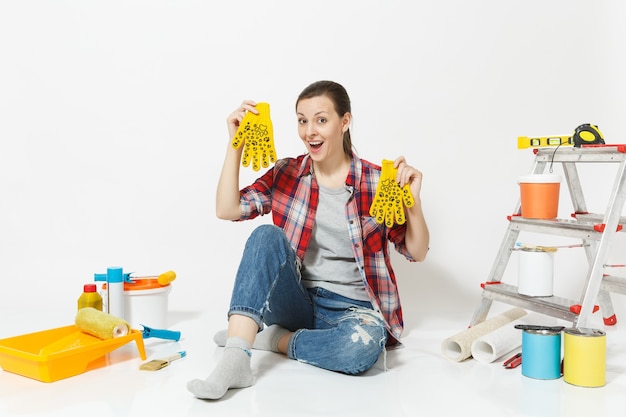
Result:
[266,339]
[232,371]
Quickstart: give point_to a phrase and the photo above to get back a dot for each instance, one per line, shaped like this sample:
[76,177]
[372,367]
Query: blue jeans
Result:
[330,331]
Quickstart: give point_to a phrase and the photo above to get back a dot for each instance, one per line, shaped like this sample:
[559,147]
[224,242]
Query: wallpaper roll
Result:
[459,346]
[493,345]
[100,324]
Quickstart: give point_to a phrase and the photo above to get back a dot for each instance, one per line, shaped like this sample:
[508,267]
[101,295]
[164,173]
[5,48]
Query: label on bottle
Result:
[90,299]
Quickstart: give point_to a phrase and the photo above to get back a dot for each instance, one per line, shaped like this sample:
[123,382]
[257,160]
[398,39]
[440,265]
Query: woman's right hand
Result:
[234,119]
[227,204]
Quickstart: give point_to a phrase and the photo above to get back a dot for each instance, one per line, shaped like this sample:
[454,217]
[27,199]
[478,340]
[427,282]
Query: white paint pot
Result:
[146,303]
[535,273]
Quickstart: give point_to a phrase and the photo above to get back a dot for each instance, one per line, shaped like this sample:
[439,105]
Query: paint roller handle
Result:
[166,277]
[163,279]
[514,361]
[160,333]
[126,277]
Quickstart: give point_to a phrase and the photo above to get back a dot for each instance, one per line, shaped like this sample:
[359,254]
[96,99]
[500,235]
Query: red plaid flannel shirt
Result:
[288,190]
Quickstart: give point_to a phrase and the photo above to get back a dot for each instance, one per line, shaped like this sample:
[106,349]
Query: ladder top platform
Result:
[588,153]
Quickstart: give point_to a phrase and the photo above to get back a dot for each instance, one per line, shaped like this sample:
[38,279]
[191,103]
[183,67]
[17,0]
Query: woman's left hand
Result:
[407,174]
[417,235]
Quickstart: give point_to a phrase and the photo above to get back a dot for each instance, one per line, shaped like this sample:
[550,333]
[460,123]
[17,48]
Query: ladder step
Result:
[553,306]
[597,219]
[559,227]
[614,283]
[606,153]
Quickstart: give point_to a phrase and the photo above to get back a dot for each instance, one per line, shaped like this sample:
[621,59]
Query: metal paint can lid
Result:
[542,332]
[582,331]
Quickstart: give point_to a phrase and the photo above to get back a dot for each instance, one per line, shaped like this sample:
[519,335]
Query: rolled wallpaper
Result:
[493,345]
[458,347]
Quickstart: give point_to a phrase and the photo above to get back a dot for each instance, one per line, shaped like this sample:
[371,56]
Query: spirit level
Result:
[524,142]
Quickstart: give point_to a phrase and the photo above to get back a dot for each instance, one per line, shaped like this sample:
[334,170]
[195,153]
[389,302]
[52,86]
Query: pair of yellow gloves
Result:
[257,135]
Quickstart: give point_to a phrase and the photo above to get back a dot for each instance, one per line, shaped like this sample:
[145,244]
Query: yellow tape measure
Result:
[587,134]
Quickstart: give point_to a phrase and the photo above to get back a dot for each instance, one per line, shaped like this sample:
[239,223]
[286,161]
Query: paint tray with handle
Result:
[59,353]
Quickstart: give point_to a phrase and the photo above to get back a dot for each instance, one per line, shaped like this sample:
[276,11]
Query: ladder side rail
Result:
[481,312]
[539,166]
[611,221]
[503,256]
[606,305]
[575,187]
[495,275]
[604,298]
[580,206]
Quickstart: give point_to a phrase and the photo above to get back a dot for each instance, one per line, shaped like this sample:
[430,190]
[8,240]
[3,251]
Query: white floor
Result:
[420,381]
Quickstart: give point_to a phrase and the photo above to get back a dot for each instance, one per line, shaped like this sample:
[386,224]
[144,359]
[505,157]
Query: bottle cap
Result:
[90,288]
[114,274]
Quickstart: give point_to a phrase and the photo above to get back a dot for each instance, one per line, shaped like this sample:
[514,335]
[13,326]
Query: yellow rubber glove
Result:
[257,135]
[388,205]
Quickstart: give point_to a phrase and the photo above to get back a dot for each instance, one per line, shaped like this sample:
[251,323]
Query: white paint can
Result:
[146,303]
[535,272]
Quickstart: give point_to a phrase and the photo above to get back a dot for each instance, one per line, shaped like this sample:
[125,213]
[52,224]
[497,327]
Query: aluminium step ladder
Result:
[597,232]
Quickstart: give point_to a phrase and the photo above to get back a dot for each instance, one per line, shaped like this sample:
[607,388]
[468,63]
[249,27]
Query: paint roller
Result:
[100,324]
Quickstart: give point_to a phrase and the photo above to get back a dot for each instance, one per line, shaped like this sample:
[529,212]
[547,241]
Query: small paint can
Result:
[535,272]
[541,354]
[584,357]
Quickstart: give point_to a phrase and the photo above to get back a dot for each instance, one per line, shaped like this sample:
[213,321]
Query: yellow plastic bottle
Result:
[90,297]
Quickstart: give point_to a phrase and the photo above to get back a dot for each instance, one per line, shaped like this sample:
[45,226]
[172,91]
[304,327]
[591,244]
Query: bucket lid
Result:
[542,332]
[539,329]
[584,332]
[141,284]
[540,178]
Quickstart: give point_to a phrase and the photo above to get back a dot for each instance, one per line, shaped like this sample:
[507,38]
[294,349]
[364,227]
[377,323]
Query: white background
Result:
[112,129]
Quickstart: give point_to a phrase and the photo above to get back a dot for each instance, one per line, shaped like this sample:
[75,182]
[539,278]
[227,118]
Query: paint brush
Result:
[156,364]
[522,246]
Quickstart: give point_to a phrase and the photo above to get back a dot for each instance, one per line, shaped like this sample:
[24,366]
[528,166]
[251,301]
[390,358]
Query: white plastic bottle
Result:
[115,290]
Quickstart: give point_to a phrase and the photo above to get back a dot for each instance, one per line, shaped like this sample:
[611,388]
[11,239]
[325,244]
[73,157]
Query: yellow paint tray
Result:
[60,353]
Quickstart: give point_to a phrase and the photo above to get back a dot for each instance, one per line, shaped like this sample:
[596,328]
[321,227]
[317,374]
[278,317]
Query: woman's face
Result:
[321,128]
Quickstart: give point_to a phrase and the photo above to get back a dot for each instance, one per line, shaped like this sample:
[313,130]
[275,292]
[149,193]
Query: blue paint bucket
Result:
[541,353]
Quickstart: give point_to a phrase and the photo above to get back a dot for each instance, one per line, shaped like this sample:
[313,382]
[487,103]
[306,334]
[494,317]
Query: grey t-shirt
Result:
[329,261]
